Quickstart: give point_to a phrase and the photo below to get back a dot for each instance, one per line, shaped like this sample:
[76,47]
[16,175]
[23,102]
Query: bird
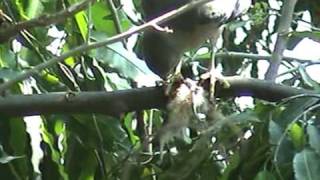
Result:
[162,51]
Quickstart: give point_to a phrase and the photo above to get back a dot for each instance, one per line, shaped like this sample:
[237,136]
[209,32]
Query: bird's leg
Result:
[174,77]
[177,71]
[214,75]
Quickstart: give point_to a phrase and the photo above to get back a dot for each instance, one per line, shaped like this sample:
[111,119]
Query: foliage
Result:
[263,141]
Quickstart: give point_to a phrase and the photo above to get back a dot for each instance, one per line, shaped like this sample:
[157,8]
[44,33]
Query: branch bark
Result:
[117,102]
[281,43]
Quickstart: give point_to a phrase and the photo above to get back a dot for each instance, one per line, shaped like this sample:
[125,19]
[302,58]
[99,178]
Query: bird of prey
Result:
[162,51]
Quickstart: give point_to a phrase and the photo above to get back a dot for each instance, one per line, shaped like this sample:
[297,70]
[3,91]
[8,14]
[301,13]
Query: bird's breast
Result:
[195,37]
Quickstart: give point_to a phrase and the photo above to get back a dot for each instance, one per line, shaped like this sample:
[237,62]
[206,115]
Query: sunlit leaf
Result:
[34,8]
[128,122]
[101,16]
[81,20]
[296,133]
[55,154]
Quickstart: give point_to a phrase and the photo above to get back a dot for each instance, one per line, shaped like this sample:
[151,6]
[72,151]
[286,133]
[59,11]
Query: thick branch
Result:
[117,102]
[281,43]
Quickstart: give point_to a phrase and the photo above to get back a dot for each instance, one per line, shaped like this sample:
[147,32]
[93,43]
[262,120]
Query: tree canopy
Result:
[77,102]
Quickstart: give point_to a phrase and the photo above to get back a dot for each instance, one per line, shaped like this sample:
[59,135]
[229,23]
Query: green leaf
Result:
[285,147]
[89,165]
[296,133]
[101,18]
[128,124]
[306,165]
[4,158]
[19,5]
[314,137]
[244,117]
[275,133]
[7,74]
[307,79]
[34,8]
[51,6]
[7,57]
[120,83]
[293,109]
[296,37]
[55,155]
[233,164]
[19,143]
[265,175]
[81,20]
[116,56]
[234,25]
[314,35]
[7,159]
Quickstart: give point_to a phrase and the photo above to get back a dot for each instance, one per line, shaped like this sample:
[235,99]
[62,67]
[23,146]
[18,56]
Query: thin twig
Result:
[43,20]
[115,16]
[116,19]
[233,54]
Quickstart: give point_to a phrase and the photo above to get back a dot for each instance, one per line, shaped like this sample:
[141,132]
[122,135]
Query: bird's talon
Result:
[224,82]
[159,83]
[171,82]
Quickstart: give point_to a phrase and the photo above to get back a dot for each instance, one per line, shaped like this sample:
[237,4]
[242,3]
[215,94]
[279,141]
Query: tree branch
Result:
[116,19]
[44,20]
[114,103]
[115,16]
[281,43]
[232,54]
